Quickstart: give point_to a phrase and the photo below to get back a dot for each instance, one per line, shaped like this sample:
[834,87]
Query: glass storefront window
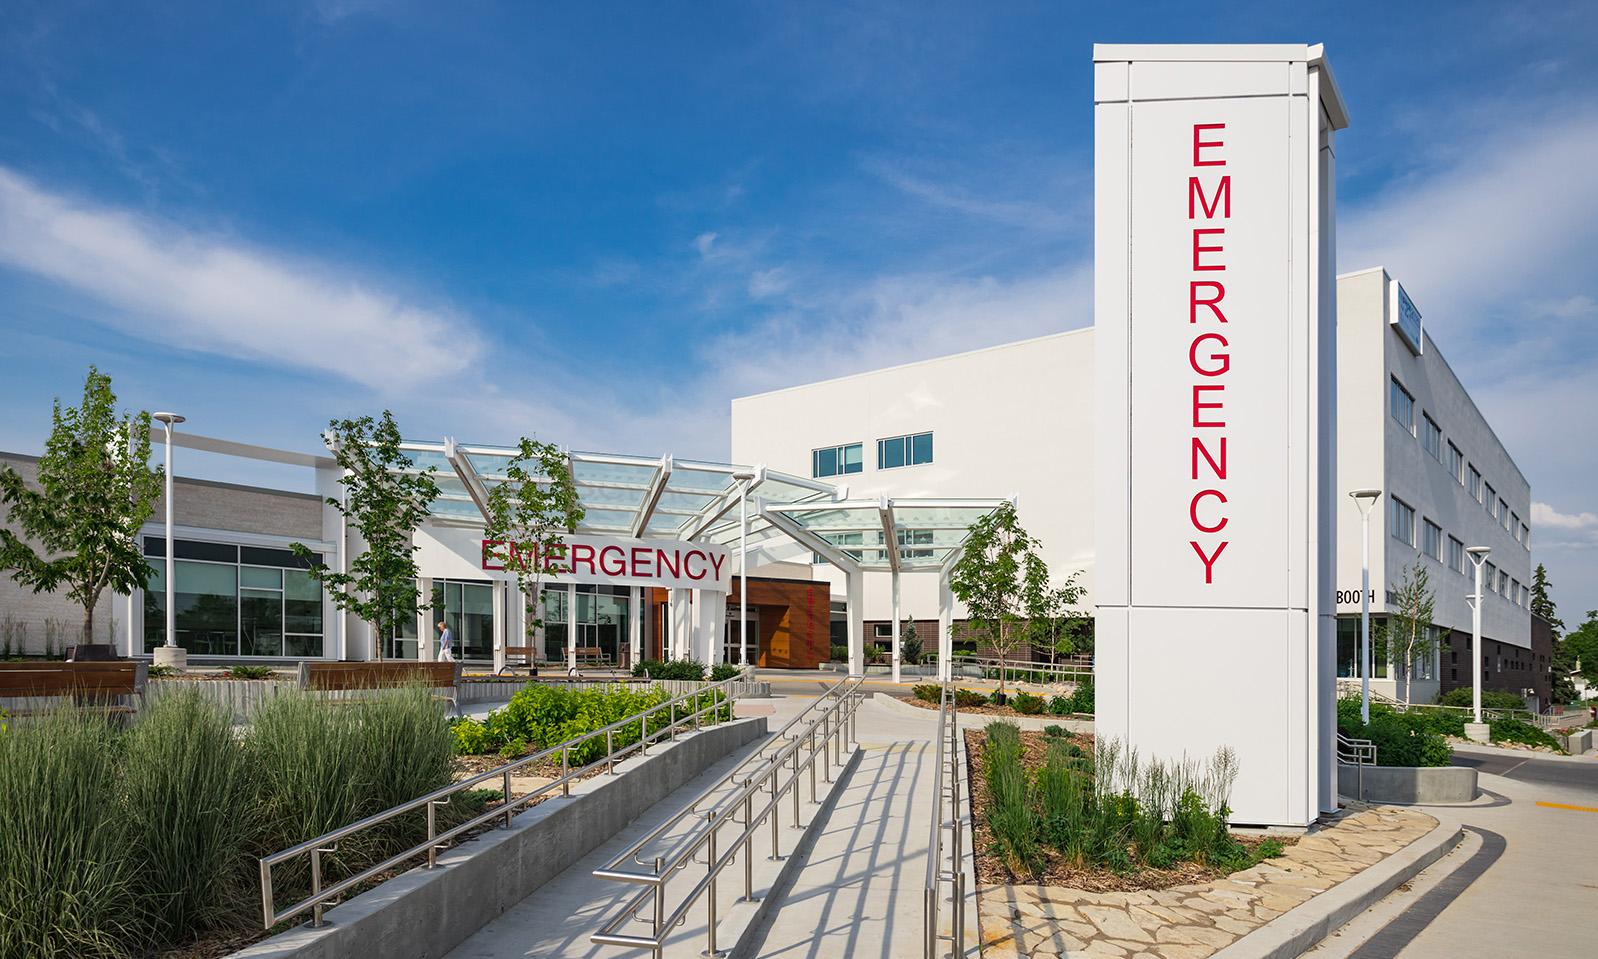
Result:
[227,609]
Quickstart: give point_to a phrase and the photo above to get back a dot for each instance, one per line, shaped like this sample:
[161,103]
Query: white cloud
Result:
[1545,516]
[704,243]
[166,284]
[764,284]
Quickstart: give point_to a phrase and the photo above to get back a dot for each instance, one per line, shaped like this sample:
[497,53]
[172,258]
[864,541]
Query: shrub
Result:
[1010,816]
[1060,705]
[1058,732]
[928,692]
[250,672]
[969,699]
[1401,739]
[185,786]
[68,881]
[910,650]
[722,671]
[1027,704]
[1490,699]
[471,737]
[160,671]
[1082,698]
[688,669]
[838,654]
[1508,730]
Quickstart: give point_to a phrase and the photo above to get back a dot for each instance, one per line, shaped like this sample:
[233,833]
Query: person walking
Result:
[446,644]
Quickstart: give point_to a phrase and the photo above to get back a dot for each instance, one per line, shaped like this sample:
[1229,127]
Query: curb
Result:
[1298,929]
[979,720]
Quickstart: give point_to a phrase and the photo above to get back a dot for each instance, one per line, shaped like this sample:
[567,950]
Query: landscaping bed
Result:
[1077,705]
[1045,822]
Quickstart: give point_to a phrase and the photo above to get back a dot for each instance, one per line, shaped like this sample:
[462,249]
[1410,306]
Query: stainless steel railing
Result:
[700,707]
[1358,753]
[1072,670]
[946,845]
[759,784]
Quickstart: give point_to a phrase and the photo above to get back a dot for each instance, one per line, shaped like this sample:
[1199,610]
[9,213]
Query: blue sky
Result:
[597,223]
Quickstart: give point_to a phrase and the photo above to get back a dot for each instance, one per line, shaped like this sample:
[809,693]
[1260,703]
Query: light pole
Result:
[1366,500]
[744,478]
[1478,558]
[170,653]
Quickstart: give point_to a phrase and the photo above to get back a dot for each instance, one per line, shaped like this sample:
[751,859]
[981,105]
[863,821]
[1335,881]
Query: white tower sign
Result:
[1215,314]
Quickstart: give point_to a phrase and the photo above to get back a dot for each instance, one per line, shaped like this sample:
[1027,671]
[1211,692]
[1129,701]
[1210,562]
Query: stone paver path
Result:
[1191,921]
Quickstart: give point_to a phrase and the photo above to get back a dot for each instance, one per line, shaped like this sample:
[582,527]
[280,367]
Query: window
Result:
[1503,583]
[915,537]
[1402,406]
[1514,591]
[1403,522]
[1514,525]
[911,450]
[1455,463]
[1503,513]
[1490,576]
[836,460]
[1525,535]
[1475,484]
[1431,540]
[233,600]
[1456,555]
[1431,437]
[882,630]
[1491,502]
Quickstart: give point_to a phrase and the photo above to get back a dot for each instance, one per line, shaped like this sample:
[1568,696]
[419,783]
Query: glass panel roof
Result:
[927,531]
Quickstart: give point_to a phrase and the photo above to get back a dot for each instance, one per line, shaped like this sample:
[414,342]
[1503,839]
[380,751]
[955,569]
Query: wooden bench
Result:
[334,677]
[96,684]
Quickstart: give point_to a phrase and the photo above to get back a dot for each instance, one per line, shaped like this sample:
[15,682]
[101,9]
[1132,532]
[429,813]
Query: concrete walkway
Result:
[859,890]
[1522,884]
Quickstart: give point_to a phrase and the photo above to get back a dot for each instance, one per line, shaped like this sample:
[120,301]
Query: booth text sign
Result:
[666,563]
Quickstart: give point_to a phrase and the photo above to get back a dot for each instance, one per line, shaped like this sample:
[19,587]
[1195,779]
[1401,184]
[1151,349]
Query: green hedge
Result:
[685,669]
[1080,701]
[1490,699]
[540,716]
[1402,739]
[1508,730]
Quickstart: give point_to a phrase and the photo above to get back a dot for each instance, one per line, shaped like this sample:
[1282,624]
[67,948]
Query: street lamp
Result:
[1365,499]
[170,653]
[1478,558]
[744,478]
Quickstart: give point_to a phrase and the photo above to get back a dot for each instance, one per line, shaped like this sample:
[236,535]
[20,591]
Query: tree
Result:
[95,489]
[1581,646]
[1411,609]
[1561,663]
[909,642]
[1001,579]
[385,498]
[1056,625]
[530,513]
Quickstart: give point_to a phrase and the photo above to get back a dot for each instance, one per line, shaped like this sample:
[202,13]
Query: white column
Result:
[709,626]
[426,635]
[682,624]
[571,626]
[897,639]
[635,625]
[945,628]
[502,616]
[854,615]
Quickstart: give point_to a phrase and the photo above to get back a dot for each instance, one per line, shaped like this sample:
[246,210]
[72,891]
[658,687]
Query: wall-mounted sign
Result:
[1406,319]
[667,563]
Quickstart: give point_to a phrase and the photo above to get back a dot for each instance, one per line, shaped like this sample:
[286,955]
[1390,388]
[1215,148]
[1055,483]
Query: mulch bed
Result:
[992,869]
[991,710]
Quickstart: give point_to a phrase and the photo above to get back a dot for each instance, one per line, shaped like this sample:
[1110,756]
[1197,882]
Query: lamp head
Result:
[744,476]
[1370,495]
[170,419]
[1480,551]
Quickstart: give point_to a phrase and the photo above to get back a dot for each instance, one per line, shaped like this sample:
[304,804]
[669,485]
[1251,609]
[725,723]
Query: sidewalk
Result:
[860,890]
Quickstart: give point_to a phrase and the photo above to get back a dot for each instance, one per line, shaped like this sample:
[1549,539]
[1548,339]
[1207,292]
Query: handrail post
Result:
[749,846]
[610,753]
[432,830]
[711,952]
[660,908]
[793,782]
[316,887]
[508,812]
[565,771]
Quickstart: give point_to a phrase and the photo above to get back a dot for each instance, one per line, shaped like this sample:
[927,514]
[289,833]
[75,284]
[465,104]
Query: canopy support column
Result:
[502,624]
[897,638]
[426,635]
[635,626]
[854,615]
[945,628]
[571,626]
[682,624]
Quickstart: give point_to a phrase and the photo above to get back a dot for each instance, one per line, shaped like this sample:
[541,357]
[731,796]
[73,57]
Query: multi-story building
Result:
[1408,427]
[999,421]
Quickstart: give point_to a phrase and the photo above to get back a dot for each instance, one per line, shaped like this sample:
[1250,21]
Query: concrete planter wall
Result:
[1408,784]
[427,912]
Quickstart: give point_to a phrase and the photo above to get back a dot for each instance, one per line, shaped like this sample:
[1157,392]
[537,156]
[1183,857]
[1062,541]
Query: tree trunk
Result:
[88,625]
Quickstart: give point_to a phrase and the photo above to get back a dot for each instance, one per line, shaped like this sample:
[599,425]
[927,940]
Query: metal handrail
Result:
[1360,753]
[1065,671]
[829,727]
[946,788]
[320,897]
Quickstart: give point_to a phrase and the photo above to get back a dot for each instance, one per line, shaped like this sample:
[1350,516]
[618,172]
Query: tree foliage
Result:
[531,512]
[1002,580]
[94,490]
[1581,645]
[1411,609]
[1562,662]
[385,498]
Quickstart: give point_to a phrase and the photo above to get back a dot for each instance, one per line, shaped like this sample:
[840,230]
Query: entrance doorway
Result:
[735,615]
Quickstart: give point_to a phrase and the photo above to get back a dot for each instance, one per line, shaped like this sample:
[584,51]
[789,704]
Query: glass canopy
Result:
[668,498]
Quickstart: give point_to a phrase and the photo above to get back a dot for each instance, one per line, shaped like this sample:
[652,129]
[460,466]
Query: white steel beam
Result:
[657,486]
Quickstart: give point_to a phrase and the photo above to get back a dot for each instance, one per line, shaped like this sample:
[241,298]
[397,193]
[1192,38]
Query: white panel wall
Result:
[1010,420]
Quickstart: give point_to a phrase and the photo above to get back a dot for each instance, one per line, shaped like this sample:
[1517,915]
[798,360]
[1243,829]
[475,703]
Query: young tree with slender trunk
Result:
[1412,609]
[385,499]
[1002,581]
[1561,663]
[530,513]
[95,489]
